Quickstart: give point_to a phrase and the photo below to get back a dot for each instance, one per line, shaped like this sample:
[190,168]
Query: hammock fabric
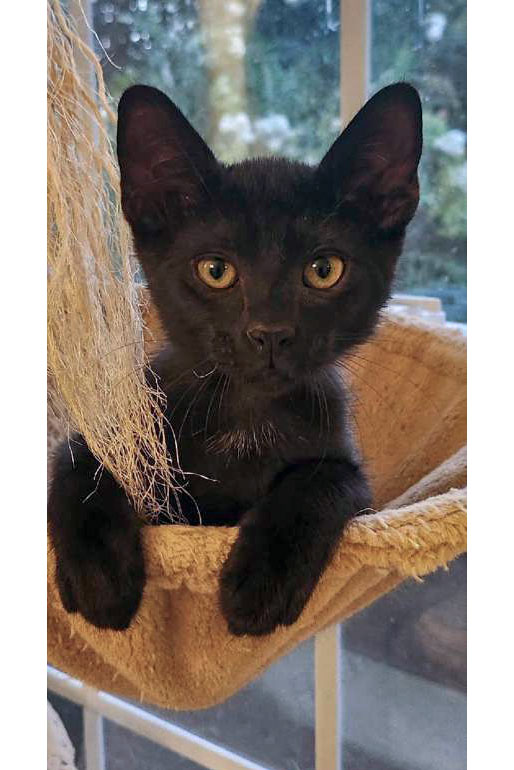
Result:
[410,386]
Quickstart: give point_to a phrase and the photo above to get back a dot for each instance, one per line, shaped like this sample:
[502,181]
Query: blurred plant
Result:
[426,45]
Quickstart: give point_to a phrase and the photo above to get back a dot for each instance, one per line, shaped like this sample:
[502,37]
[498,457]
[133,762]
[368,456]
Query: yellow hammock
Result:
[412,427]
[410,418]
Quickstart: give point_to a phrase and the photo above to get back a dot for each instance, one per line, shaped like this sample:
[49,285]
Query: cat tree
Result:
[410,420]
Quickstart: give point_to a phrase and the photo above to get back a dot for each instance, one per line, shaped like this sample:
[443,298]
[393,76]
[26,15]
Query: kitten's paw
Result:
[65,589]
[105,592]
[256,594]
[94,531]
[105,577]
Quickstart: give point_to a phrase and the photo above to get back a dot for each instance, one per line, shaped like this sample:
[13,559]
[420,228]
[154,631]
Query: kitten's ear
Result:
[372,166]
[166,167]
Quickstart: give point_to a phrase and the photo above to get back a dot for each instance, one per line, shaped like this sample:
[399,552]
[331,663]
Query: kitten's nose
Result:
[270,338]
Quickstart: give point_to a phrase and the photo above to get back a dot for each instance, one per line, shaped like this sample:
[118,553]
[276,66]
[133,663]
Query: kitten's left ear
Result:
[372,166]
[166,167]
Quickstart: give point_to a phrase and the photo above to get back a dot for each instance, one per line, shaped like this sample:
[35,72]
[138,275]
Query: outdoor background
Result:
[261,77]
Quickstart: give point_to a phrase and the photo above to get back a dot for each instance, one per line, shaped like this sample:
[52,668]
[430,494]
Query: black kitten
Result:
[264,273]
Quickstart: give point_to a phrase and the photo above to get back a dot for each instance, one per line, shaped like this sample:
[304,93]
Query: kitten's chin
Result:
[267,383]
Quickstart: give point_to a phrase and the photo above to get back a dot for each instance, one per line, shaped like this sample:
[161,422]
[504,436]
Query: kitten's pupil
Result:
[323,267]
[217,269]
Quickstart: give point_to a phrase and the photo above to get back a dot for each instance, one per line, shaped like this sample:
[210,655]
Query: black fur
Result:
[249,371]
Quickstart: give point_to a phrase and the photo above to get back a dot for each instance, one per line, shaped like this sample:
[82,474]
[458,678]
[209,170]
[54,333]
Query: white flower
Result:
[239,124]
[435,24]
[459,176]
[452,143]
[273,130]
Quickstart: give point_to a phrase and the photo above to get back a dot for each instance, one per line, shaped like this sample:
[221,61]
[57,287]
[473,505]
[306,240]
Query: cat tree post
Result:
[328,705]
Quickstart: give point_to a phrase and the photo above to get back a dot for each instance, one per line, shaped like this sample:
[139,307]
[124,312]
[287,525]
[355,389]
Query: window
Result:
[424,41]
[263,77]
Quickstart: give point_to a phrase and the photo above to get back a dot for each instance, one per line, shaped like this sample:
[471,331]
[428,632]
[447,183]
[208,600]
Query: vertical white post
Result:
[355,56]
[94,740]
[327,667]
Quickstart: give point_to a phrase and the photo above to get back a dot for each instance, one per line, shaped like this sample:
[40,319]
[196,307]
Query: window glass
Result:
[404,677]
[125,750]
[254,77]
[261,77]
[424,42]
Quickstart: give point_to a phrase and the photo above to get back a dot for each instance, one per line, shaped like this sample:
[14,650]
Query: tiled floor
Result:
[404,682]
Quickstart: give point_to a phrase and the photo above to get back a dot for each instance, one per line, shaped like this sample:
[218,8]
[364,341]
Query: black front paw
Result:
[100,569]
[261,588]
[105,587]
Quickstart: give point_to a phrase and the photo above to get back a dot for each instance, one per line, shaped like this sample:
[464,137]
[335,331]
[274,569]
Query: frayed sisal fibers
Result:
[96,357]
[410,421]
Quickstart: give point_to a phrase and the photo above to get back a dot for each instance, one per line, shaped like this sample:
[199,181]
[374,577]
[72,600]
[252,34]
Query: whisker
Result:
[219,381]
[193,401]
[203,376]
[352,413]
[183,396]
[357,359]
[186,371]
[346,365]
[225,388]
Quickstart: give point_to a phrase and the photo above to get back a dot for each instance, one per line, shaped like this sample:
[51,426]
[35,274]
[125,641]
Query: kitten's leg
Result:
[285,543]
[95,533]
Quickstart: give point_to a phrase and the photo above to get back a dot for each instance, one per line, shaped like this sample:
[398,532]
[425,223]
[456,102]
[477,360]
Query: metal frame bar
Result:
[94,742]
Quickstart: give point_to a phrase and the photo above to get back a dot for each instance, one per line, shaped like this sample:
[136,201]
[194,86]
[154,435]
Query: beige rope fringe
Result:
[96,357]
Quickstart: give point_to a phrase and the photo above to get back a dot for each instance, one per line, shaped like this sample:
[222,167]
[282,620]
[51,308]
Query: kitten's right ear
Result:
[373,165]
[166,168]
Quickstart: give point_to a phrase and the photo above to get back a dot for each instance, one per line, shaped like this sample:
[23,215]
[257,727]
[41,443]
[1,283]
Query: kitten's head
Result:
[268,269]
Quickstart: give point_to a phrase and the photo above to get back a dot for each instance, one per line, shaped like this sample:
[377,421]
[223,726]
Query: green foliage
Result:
[293,70]
[430,52]
[156,42]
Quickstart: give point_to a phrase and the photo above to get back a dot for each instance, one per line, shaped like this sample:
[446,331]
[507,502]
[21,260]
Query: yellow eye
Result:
[217,272]
[323,272]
